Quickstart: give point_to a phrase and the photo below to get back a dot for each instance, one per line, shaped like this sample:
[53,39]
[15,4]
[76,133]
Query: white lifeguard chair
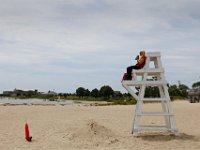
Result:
[140,80]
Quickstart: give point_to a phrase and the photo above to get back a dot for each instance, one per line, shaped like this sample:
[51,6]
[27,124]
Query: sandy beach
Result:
[76,127]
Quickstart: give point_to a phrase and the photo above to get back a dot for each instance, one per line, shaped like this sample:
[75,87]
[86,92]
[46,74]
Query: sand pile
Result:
[93,134]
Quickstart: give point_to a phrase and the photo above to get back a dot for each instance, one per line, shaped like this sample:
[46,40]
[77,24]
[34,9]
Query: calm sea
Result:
[37,101]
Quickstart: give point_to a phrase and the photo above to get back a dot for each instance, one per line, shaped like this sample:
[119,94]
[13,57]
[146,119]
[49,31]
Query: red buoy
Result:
[27,136]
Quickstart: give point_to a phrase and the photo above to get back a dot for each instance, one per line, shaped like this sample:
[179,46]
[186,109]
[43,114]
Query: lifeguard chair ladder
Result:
[158,72]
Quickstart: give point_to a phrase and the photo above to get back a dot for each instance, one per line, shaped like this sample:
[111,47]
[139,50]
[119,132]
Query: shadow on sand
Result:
[169,137]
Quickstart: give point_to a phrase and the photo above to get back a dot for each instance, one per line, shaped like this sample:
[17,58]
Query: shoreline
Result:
[44,102]
[68,102]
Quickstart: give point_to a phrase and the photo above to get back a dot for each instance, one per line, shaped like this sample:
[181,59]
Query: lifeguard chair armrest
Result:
[149,70]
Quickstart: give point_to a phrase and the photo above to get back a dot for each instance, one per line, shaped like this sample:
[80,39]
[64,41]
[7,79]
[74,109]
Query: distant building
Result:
[117,93]
[17,92]
[49,93]
[7,92]
[194,94]
[10,93]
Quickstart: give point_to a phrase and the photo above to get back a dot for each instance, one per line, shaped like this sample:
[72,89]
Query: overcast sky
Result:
[64,44]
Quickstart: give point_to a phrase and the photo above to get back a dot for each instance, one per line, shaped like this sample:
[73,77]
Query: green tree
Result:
[106,91]
[180,90]
[173,90]
[95,93]
[152,92]
[183,90]
[80,91]
[87,92]
[196,84]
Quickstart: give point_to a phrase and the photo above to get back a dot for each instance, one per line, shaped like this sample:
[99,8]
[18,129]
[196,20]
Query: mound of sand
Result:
[93,134]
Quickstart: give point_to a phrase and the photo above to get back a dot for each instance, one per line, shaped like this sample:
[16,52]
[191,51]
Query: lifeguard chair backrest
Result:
[153,57]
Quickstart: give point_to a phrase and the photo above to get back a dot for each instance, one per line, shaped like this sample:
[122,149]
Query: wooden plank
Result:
[147,83]
[149,70]
[153,54]
[155,128]
[154,114]
[154,99]
[129,90]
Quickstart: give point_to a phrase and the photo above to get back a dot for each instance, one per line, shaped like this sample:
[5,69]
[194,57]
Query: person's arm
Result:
[141,60]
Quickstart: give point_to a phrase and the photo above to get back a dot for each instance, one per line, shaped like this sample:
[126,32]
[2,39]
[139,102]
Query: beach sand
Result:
[76,127]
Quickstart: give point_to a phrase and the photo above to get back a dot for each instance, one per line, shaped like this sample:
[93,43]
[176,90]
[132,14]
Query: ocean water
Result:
[37,101]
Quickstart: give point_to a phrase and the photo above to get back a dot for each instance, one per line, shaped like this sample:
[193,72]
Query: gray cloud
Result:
[90,43]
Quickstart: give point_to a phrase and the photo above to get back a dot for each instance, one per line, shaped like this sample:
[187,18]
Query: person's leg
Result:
[136,67]
[129,71]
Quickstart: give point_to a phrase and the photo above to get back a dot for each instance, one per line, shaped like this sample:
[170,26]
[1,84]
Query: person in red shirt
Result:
[139,65]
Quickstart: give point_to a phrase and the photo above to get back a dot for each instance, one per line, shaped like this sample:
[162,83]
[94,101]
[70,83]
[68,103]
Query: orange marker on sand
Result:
[28,138]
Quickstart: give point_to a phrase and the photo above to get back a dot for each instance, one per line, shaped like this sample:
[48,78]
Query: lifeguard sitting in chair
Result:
[139,65]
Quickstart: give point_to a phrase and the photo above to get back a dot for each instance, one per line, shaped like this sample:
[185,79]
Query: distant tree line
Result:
[178,91]
[105,93]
